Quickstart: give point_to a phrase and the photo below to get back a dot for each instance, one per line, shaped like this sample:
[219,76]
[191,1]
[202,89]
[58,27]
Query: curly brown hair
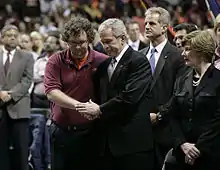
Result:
[75,26]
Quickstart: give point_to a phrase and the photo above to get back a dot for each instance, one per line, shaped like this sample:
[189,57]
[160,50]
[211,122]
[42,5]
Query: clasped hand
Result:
[89,110]
[191,153]
[5,96]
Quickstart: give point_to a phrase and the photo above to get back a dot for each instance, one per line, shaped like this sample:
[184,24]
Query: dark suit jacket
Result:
[169,67]
[18,80]
[141,45]
[196,113]
[125,104]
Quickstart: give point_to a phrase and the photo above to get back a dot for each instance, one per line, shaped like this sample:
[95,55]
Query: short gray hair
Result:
[116,25]
[8,27]
[164,16]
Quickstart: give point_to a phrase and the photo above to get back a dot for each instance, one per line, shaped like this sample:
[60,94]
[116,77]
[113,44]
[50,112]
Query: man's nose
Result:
[147,26]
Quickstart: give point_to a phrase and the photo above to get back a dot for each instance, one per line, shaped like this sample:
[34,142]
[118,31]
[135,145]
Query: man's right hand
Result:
[5,96]
[190,150]
[153,118]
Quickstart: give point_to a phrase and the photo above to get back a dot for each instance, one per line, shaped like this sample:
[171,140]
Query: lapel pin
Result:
[165,57]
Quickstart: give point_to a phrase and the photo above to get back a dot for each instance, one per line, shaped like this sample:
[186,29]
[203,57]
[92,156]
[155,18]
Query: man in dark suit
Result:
[123,84]
[16,72]
[133,29]
[166,64]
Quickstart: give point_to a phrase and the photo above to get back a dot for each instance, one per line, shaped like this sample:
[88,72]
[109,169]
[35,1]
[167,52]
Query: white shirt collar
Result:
[12,52]
[134,45]
[122,53]
[159,47]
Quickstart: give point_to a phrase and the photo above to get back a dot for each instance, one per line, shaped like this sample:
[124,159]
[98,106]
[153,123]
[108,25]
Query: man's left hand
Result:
[5,96]
[153,118]
[89,109]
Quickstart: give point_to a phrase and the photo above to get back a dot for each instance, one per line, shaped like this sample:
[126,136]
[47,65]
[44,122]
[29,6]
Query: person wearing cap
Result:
[16,73]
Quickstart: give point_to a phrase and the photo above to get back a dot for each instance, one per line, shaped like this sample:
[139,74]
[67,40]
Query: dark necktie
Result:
[7,63]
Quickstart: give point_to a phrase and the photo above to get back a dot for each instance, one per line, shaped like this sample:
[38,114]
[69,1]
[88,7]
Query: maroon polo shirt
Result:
[61,73]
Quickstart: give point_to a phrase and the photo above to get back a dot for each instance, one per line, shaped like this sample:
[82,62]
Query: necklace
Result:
[197,78]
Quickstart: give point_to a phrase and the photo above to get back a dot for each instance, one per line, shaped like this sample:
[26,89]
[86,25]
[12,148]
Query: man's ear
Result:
[164,28]
[123,37]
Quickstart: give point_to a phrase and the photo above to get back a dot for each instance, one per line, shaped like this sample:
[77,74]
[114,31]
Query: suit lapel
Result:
[205,80]
[104,80]
[145,50]
[119,66]
[160,63]
[141,45]
[2,71]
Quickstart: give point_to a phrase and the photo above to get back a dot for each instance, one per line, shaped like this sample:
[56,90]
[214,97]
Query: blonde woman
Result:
[38,42]
[195,111]
[217,37]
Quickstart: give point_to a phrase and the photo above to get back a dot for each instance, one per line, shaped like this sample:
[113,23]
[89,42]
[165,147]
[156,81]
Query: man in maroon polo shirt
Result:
[68,81]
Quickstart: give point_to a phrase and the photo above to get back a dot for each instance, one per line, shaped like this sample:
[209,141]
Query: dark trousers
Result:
[13,143]
[160,155]
[73,148]
[134,161]
[39,101]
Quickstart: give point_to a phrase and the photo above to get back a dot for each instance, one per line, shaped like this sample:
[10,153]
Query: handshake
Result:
[89,110]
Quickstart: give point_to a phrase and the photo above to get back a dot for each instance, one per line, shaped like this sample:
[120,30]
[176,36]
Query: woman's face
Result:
[218,35]
[192,58]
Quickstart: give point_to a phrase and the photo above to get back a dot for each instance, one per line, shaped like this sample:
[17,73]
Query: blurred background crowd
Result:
[45,15]
[38,17]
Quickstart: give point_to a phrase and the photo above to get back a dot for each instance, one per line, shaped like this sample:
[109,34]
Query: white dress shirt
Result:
[5,55]
[39,70]
[134,45]
[159,48]
[111,68]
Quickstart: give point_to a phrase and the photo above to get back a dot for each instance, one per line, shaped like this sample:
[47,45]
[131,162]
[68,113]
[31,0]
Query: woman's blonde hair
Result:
[203,42]
[217,23]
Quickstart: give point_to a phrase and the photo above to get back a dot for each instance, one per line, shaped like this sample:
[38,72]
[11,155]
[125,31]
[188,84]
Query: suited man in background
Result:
[123,85]
[16,72]
[133,29]
[166,65]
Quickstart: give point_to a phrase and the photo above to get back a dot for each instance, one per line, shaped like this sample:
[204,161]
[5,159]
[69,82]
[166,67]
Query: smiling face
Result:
[112,45]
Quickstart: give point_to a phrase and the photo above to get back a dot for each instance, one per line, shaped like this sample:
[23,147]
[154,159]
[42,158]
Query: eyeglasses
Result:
[79,43]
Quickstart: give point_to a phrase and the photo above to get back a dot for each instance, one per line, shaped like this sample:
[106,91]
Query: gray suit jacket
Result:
[18,80]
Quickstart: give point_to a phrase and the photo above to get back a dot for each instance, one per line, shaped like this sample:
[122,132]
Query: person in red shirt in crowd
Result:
[69,81]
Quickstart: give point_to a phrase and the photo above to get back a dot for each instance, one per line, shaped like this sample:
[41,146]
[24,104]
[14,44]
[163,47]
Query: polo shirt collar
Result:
[70,61]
